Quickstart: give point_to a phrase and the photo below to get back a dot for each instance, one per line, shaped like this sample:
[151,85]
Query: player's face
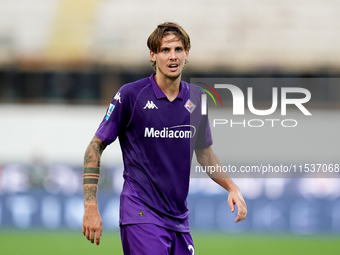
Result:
[170,60]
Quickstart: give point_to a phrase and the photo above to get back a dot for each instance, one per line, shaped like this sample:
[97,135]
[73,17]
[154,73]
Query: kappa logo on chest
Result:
[150,105]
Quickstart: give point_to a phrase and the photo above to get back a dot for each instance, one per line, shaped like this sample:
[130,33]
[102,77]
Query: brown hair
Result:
[164,29]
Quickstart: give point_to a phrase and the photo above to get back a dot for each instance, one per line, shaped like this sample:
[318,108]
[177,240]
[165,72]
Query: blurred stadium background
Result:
[61,61]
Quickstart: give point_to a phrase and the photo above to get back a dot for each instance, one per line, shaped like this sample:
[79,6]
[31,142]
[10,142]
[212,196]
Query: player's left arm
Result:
[206,157]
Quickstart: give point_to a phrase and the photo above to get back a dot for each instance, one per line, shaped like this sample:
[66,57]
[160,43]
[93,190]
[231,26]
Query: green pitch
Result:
[50,243]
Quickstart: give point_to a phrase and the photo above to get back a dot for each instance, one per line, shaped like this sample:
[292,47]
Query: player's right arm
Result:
[206,158]
[92,222]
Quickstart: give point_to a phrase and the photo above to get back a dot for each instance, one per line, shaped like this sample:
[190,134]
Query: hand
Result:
[92,223]
[235,197]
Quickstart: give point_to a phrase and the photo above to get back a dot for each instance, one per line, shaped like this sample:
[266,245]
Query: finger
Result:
[241,212]
[242,208]
[91,237]
[98,235]
[240,215]
[87,233]
[83,230]
[231,205]
[238,218]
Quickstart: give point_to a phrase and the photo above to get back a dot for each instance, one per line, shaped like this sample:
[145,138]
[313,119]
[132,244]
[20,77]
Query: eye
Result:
[179,49]
[165,50]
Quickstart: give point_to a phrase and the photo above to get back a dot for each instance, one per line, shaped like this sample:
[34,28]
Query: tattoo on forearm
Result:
[88,157]
[92,169]
[94,151]
[90,193]
[91,175]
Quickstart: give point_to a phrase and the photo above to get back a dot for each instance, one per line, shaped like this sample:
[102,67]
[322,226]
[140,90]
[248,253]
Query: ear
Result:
[152,56]
[186,54]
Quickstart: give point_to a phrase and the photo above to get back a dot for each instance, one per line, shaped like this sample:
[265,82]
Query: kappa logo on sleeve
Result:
[109,111]
[117,97]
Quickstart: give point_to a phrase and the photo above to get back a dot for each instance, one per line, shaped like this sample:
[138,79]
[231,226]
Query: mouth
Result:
[173,67]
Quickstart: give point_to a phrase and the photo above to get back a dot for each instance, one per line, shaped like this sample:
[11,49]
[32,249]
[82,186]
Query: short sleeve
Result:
[204,137]
[116,117]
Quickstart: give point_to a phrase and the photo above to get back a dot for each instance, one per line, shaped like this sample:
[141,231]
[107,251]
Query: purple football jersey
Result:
[157,139]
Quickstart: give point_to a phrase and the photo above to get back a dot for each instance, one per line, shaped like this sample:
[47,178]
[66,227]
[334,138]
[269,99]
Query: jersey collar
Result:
[160,94]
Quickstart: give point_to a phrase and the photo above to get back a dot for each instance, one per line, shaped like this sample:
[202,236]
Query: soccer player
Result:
[159,125]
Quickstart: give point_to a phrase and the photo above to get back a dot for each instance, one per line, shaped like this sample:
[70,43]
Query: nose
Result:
[173,55]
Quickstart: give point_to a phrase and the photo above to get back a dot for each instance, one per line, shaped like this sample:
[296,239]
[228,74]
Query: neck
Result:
[170,87]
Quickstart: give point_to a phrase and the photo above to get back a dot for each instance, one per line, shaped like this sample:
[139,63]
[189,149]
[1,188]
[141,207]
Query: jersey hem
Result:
[182,230]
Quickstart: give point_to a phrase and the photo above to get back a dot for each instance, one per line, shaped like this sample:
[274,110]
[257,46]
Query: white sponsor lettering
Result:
[169,132]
